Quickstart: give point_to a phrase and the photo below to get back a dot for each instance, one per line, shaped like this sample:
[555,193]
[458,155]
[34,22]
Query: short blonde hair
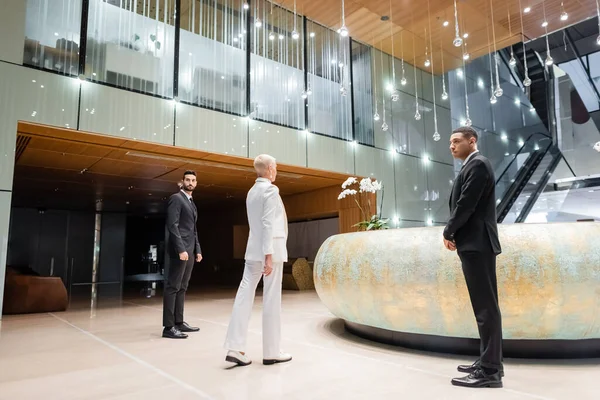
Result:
[262,163]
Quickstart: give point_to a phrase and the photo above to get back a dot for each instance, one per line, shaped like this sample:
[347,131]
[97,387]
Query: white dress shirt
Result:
[473,154]
[189,197]
[268,223]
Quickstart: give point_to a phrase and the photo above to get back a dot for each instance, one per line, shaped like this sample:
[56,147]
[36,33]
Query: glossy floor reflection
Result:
[116,352]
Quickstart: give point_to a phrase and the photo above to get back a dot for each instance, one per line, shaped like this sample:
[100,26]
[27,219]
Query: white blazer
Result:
[268,223]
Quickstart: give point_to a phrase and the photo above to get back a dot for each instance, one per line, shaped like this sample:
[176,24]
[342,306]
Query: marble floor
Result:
[115,352]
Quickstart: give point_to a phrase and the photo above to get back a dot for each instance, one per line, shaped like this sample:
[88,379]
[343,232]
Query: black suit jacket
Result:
[181,223]
[472,224]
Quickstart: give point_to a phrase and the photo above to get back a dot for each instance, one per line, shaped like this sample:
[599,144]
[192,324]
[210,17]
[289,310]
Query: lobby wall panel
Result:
[411,188]
[12,30]
[35,96]
[202,129]
[287,145]
[330,154]
[126,114]
[379,164]
[5,199]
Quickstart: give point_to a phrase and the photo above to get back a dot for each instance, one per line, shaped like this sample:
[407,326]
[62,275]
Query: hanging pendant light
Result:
[444,93]
[257,22]
[427,62]
[304,95]
[295,34]
[403,81]
[343,91]
[384,127]
[513,61]
[271,36]
[343,31]
[395,93]
[468,122]
[526,81]
[498,91]
[493,98]
[417,114]
[376,116]
[436,134]
[563,15]
[549,60]
[246,5]
[457,39]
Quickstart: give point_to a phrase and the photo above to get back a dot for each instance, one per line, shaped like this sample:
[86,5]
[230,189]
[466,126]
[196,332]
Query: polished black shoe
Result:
[184,327]
[479,379]
[173,333]
[469,369]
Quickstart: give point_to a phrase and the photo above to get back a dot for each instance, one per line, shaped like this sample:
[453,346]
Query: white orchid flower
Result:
[349,181]
[346,192]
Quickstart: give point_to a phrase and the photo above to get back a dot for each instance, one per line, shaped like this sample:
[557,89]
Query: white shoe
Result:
[238,358]
[283,357]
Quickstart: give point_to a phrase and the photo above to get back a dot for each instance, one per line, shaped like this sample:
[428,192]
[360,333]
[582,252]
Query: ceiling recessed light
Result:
[527,9]
[446,23]
[466,35]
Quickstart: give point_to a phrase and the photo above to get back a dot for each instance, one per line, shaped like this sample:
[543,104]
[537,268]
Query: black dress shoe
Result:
[479,379]
[184,327]
[173,333]
[469,369]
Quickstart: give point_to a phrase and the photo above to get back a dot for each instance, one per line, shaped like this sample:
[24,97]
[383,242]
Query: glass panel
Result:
[131,45]
[212,55]
[363,94]
[52,35]
[277,65]
[411,188]
[329,110]
[440,178]
[408,134]
[579,77]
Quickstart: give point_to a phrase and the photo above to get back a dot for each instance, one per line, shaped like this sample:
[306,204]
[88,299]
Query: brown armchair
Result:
[26,293]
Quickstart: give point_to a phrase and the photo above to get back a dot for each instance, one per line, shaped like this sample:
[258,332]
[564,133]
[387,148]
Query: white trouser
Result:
[242,309]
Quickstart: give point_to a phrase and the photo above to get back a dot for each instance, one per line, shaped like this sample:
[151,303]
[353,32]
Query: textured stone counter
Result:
[404,280]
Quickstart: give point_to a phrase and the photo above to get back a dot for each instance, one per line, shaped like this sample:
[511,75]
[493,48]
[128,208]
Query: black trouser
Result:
[176,285]
[479,269]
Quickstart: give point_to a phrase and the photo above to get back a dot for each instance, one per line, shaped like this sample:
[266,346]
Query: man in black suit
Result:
[473,232]
[184,249]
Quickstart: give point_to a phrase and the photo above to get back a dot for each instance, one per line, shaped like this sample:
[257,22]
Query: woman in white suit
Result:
[265,254]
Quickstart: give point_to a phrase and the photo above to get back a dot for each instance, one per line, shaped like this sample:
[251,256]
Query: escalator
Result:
[539,90]
[519,185]
[518,175]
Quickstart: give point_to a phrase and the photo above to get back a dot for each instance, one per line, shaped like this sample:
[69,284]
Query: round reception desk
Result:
[402,286]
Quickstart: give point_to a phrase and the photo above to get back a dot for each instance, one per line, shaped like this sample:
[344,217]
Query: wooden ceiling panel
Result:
[76,168]
[35,157]
[411,17]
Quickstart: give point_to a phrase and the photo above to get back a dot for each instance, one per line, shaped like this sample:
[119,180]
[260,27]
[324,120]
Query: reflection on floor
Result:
[116,352]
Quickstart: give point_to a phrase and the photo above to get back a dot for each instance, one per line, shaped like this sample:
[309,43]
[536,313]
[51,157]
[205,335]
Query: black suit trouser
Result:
[175,287]
[479,269]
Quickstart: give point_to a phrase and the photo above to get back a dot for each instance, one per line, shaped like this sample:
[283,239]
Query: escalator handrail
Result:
[516,154]
[556,157]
